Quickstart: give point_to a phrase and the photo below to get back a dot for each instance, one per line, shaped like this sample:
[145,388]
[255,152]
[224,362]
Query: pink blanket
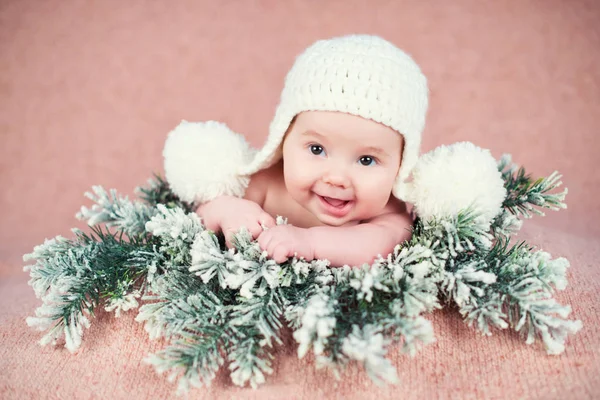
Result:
[89,90]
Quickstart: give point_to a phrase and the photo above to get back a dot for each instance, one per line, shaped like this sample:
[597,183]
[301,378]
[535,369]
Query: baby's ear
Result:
[454,178]
[202,161]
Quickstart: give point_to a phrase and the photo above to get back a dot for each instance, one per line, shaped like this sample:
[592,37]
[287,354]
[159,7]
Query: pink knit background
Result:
[89,90]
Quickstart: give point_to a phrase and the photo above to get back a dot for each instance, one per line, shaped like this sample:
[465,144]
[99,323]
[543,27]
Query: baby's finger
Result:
[264,239]
[210,225]
[255,230]
[280,253]
[266,220]
[229,241]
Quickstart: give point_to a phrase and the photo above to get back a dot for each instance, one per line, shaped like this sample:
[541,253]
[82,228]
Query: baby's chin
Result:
[337,222]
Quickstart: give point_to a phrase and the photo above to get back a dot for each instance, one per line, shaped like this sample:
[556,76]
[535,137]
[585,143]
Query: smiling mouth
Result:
[335,202]
[336,207]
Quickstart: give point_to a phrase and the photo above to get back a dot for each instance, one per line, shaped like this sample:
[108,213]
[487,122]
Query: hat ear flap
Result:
[202,161]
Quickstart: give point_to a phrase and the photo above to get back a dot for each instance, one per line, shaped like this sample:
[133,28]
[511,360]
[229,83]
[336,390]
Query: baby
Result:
[345,137]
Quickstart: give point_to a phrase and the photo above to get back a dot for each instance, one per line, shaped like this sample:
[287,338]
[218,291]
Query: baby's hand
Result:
[284,241]
[229,214]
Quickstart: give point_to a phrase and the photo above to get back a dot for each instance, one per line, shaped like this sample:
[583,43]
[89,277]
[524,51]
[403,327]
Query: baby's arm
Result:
[227,214]
[352,245]
[359,244]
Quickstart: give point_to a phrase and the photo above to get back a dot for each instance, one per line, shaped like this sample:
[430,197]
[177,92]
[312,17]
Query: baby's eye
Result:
[367,160]
[316,149]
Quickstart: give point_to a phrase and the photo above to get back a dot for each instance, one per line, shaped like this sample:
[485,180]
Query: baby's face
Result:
[340,167]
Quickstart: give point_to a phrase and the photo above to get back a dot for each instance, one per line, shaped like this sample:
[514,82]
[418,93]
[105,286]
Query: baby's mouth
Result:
[337,208]
[335,202]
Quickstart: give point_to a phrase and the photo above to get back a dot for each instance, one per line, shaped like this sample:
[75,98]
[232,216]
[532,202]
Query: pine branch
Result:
[251,316]
[193,317]
[73,277]
[368,346]
[175,230]
[388,297]
[209,260]
[249,361]
[526,196]
[318,324]
[180,303]
[157,191]
[213,304]
[521,296]
[413,332]
[262,313]
[129,217]
[192,359]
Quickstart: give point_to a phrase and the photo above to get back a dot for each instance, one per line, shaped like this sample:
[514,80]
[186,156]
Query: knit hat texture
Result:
[362,75]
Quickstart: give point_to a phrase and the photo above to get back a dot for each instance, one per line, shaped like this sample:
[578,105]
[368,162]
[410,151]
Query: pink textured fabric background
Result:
[89,90]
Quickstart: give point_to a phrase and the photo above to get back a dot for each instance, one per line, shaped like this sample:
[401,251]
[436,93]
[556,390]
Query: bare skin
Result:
[353,245]
[322,150]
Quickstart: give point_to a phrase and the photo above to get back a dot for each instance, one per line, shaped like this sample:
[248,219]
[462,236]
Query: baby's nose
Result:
[337,178]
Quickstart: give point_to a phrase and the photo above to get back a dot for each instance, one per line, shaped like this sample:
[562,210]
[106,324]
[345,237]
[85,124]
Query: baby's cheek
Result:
[300,176]
[297,183]
[370,206]
[375,193]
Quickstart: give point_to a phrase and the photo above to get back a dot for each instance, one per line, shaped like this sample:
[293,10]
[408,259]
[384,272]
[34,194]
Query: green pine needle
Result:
[216,306]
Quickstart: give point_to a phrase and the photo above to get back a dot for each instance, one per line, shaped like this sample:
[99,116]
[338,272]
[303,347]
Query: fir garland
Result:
[218,306]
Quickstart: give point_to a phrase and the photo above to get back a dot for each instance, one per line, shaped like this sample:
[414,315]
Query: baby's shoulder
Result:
[394,210]
[396,219]
[394,206]
[263,182]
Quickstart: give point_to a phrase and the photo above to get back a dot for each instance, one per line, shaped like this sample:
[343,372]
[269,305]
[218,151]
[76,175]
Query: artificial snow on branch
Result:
[217,306]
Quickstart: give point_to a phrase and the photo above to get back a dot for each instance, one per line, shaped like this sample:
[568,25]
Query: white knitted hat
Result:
[361,75]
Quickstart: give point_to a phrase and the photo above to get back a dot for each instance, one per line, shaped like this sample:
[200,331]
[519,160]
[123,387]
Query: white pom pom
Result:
[452,178]
[202,160]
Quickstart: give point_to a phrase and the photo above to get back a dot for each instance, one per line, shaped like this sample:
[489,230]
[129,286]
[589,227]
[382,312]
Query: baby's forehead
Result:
[344,126]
